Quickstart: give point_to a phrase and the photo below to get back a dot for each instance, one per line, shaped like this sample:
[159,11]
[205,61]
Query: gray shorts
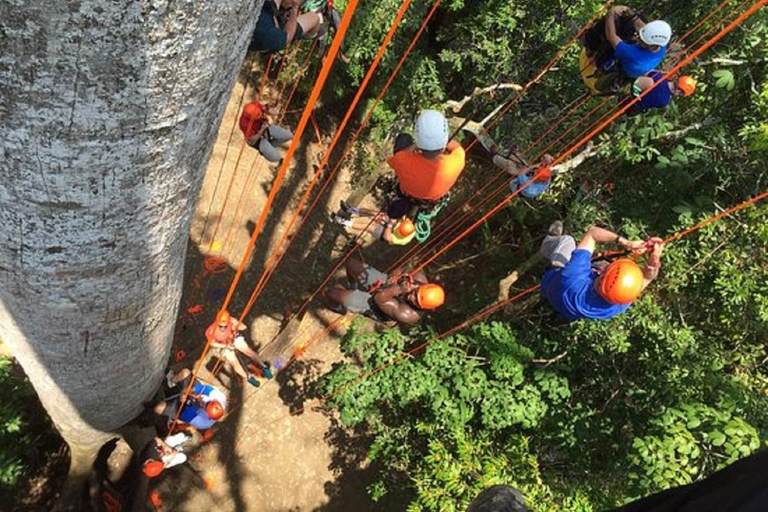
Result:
[357,301]
[370,277]
[378,231]
[558,249]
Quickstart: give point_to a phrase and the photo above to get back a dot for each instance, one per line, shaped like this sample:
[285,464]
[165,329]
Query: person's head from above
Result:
[405,227]
[431,133]
[427,296]
[214,410]
[152,467]
[655,35]
[621,282]
[253,110]
[685,85]
[224,320]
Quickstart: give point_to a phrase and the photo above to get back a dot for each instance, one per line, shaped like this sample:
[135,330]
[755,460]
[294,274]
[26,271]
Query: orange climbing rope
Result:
[314,95]
[279,252]
[299,76]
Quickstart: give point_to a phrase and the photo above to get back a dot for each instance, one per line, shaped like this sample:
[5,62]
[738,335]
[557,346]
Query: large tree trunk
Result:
[109,112]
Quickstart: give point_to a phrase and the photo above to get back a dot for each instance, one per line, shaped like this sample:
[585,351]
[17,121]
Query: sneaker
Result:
[266,371]
[556,228]
[348,208]
[253,381]
[341,221]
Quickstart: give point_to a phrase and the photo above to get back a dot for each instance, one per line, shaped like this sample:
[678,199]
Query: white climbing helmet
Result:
[656,33]
[431,132]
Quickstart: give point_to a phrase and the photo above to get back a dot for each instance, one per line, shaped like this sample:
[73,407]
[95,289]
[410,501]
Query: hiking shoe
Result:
[348,208]
[253,381]
[556,228]
[341,220]
[266,371]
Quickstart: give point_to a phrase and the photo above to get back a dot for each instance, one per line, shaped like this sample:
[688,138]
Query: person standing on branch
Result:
[224,335]
[661,95]
[402,300]
[426,165]
[576,290]
[268,36]
[259,133]
[635,60]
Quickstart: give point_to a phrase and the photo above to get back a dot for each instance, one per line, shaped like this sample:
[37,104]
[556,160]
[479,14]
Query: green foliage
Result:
[19,444]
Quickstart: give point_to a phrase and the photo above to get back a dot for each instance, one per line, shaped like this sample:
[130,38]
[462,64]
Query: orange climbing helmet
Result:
[214,410]
[405,227]
[430,296]
[253,110]
[250,119]
[687,85]
[543,174]
[225,319]
[621,283]
[153,468]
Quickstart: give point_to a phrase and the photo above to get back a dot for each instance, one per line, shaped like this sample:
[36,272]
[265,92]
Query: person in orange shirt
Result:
[427,165]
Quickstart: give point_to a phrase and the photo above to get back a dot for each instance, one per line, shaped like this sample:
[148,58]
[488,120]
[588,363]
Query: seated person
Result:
[661,95]
[520,179]
[373,293]
[205,404]
[233,347]
[158,454]
[636,59]
[268,36]
[576,290]
[378,224]
[428,165]
[259,133]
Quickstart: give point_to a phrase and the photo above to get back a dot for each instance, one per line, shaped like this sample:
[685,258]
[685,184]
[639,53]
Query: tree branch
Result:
[456,106]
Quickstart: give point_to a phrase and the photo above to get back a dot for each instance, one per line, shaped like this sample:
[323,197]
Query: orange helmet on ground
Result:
[622,282]
[225,318]
[687,85]
[405,227]
[214,410]
[430,296]
[153,468]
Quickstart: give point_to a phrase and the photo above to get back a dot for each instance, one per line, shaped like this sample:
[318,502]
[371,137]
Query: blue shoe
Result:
[266,371]
[253,382]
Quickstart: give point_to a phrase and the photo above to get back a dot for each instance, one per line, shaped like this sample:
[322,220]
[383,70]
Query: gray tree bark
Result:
[109,112]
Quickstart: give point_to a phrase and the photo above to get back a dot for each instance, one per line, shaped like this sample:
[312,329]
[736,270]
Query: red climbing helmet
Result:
[621,283]
[153,468]
[430,296]
[251,114]
[214,410]
[405,227]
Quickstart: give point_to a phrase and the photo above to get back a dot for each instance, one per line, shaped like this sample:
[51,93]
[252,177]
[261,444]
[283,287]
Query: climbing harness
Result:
[424,218]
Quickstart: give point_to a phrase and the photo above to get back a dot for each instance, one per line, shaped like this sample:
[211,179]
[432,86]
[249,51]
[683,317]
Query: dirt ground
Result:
[263,458]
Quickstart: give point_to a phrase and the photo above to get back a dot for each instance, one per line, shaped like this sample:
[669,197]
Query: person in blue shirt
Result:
[520,178]
[268,36]
[661,95]
[204,406]
[636,59]
[576,290]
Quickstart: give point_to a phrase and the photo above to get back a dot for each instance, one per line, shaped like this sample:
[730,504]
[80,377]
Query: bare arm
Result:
[290,26]
[387,302]
[610,24]
[596,235]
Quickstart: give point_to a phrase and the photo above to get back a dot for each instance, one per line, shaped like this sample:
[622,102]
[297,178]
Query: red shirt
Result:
[250,126]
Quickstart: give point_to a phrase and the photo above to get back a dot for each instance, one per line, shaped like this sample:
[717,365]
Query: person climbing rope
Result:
[632,47]
[259,133]
[161,454]
[269,36]
[385,298]
[329,18]
[204,407]
[378,224]
[661,95]
[234,349]
[426,165]
[520,179]
[576,290]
